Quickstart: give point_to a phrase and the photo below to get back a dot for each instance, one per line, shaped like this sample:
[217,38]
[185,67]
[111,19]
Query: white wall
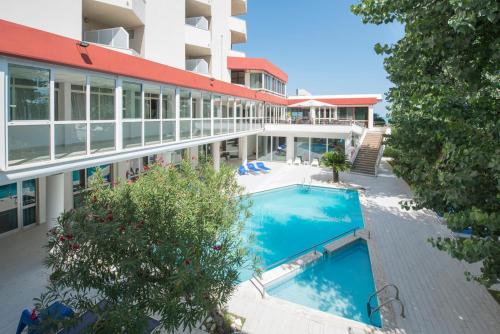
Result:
[164,32]
[221,39]
[62,17]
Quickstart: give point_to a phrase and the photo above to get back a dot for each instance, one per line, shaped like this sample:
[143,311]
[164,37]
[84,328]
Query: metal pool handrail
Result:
[288,258]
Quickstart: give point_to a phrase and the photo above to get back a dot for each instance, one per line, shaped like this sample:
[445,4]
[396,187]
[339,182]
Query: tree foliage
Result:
[168,244]
[337,161]
[445,115]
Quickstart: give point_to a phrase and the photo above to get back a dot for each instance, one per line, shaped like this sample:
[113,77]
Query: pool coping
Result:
[387,313]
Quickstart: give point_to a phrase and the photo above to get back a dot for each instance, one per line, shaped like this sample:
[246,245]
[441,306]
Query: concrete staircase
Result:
[366,159]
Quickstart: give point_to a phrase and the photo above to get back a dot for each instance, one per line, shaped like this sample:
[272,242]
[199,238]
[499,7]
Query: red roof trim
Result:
[243,63]
[33,44]
[341,101]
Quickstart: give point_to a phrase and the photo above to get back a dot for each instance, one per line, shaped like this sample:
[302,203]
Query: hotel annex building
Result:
[117,84]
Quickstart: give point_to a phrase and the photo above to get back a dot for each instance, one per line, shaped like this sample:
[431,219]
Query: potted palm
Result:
[337,161]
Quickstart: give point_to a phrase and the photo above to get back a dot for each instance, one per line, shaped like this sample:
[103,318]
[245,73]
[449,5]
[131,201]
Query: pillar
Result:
[289,148]
[243,148]
[193,155]
[370,117]
[216,154]
[55,198]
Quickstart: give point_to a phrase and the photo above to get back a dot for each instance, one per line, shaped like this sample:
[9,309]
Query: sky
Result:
[323,47]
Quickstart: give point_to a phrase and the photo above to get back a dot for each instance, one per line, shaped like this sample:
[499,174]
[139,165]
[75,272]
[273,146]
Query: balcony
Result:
[198,8]
[126,13]
[114,37]
[238,7]
[235,53]
[238,28]
[198,40]
[197,65]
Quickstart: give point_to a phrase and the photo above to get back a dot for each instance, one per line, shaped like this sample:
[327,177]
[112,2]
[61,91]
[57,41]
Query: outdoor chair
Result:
[261,166]
[252,168]
[297,161]
[242,170]
[315,163]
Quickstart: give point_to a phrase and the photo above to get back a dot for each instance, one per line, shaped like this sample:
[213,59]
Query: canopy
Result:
[311,103]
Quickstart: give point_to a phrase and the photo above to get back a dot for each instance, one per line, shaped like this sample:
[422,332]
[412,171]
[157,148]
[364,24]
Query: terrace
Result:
[435,292]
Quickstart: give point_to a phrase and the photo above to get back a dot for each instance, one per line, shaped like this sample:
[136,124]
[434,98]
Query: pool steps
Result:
[293,267]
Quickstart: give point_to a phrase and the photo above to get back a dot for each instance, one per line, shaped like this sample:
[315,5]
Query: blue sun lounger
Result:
[242,170]
[252,168]
[261,165]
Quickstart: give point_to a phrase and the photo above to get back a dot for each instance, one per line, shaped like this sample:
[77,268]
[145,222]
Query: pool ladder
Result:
[372,310]
[306,186]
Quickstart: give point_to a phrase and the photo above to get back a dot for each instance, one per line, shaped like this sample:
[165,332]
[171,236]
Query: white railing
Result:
[115,37]
[356,151]
[197,65]
[199,22]
[379,157]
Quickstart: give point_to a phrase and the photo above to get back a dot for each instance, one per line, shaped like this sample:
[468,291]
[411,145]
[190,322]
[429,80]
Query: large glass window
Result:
[264,148]
[8,207]
[336,144]
[185,130]
[28,144]
[70,140]
[131,100]
[185,104]
[168,131]
[102,98]
[168,105]
[197,105]
[152,132]
[132,134]
[70,96]
[301,148]
[345,113]
[151,102]
[207,108]
[28,93]
[318,148]
[256,80]
[102,137]
[279,148]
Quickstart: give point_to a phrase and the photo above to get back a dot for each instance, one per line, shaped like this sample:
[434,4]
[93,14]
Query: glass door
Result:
[8,207]
[29,202]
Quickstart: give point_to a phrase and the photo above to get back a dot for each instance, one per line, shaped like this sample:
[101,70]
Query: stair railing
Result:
[371,310]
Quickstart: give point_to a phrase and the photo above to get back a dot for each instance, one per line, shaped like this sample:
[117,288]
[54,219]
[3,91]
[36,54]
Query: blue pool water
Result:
[340,283]
[288,220]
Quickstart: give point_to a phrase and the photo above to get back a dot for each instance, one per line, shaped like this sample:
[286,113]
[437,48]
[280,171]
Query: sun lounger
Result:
[251,167]
[261,165]
[297,161]
[242,170]
[315,163]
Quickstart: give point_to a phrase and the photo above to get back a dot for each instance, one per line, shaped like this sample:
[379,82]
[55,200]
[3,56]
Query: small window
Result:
[238,77]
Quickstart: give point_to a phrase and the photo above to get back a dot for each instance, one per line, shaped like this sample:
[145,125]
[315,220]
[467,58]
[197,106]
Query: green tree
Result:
[378,120]
[337,161]
[445,116]
[168,244]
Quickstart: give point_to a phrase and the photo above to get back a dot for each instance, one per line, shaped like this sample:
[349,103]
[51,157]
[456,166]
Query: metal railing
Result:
[294,256]
[116,37]
[199,22]
[308,121]
[371,310]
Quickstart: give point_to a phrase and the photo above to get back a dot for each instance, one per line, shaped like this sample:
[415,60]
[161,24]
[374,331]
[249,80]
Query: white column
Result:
[193,155]
[118,115]
[68,191]
[216,154]
[243,148]
[312,114]
[289,148]
[3,116]
[54,197]
[370,117]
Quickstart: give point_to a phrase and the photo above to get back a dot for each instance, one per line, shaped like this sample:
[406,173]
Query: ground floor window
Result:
[229,149]
[271,148]
[81,181]
[14,212]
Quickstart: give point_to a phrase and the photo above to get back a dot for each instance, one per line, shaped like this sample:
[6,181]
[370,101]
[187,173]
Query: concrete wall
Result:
[164,32]
[62,17]
[221,39]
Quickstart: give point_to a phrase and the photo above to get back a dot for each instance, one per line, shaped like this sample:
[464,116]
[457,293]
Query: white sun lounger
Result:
[315,163]
[297,161]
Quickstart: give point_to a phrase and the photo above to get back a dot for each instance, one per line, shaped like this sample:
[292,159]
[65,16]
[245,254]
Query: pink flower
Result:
[62,238]
[69,236]
[34,315]
[217,247]
[75,246]
[110,216]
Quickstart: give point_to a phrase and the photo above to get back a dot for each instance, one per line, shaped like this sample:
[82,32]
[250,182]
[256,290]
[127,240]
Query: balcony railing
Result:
[308,121]
[197,65]
[116,37]
[199,22]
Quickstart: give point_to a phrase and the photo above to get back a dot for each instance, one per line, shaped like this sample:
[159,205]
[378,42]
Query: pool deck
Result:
[433,288]
[438,298]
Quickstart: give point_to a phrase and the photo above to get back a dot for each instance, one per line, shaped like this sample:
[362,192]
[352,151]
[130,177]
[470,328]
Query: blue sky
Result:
[322,46]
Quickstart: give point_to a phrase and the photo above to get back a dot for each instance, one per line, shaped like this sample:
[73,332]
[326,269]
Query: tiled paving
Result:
[433,287]
[438,298]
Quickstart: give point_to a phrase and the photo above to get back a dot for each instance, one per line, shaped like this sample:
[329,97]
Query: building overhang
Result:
[257,64]
[310,130]
[20,41]
[337,100]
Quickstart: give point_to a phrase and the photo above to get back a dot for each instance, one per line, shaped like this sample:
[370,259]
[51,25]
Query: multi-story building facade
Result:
[118,84]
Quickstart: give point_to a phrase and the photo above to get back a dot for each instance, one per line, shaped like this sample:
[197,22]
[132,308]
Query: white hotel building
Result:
[119,83]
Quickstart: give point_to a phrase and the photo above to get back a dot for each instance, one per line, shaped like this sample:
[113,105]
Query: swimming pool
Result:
[288,220]
[339,283]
